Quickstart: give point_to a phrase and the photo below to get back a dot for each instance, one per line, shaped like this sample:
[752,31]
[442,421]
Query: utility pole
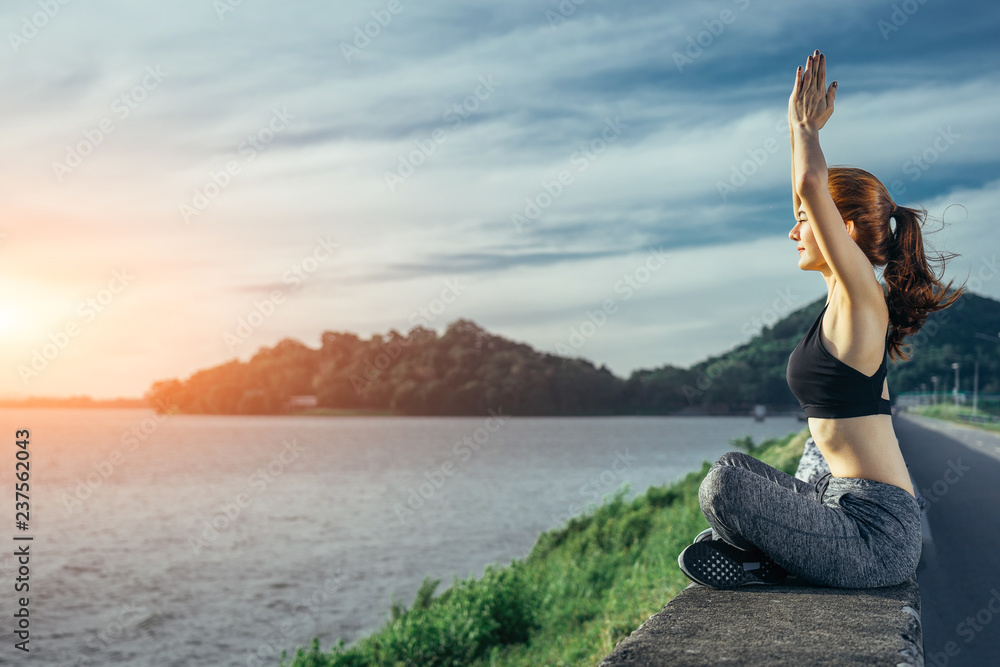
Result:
[975,390]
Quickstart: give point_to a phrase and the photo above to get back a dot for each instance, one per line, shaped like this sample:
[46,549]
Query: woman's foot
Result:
[719,564]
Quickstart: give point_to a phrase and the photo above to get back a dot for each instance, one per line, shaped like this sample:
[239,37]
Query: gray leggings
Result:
[844,532]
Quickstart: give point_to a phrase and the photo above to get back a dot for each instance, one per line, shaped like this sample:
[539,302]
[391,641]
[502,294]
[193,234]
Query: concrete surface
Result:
[795,623]
[957,469]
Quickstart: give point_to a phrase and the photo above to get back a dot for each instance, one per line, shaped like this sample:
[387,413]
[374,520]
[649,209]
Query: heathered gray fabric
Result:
[847,533]
[812,465]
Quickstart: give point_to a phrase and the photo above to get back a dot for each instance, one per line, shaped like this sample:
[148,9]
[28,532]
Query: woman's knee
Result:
[732,458]
[716,487]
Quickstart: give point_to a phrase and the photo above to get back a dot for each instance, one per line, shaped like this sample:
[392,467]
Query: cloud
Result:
[684,131]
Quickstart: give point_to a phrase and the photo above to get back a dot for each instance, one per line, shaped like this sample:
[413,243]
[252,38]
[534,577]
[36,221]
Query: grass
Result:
[583,587]
[952,413]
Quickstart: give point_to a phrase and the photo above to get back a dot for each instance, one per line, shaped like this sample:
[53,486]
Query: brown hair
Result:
[909,281]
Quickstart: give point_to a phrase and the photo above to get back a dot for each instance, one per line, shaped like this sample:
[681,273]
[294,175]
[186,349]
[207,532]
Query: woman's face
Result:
[810,256]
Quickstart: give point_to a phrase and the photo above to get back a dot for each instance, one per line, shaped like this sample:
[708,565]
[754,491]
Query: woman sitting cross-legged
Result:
[857,523]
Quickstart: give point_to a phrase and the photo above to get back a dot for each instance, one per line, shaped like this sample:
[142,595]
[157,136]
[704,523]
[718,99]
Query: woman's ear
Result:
[850,228]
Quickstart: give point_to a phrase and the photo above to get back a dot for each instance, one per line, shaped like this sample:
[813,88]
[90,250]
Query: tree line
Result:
[468,370]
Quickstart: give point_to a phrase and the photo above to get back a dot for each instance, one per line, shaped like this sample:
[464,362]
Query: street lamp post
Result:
[955,366]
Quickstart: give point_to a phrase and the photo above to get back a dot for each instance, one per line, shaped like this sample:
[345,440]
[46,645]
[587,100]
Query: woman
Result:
[858,526]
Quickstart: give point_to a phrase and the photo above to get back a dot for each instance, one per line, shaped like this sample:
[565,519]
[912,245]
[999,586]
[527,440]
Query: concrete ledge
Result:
[795,623]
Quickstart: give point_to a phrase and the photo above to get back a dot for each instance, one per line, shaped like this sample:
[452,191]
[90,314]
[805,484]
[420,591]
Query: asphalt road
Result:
[957,469]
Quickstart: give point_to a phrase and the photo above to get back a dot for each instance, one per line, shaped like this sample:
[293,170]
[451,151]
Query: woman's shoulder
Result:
[853,321]
[869,306]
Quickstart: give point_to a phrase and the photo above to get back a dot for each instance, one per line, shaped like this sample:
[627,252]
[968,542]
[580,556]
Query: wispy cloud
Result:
[686,129]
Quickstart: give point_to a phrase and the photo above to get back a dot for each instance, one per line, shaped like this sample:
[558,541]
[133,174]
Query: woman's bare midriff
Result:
[864,447]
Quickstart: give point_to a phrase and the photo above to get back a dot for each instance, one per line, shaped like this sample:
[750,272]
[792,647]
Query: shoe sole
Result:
[703,536]
[719,565]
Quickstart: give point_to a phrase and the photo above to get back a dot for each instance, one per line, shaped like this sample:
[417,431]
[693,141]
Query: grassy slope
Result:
[949,412]
[584,587]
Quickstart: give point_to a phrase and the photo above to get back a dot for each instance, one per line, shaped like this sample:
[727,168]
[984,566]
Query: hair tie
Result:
[894,230]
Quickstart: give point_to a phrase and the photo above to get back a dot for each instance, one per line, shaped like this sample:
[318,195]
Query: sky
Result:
[184,183]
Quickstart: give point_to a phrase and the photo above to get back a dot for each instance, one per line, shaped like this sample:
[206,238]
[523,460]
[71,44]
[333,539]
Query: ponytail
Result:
[910,282]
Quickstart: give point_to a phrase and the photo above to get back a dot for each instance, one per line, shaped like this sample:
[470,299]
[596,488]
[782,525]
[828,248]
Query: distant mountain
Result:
[468,371]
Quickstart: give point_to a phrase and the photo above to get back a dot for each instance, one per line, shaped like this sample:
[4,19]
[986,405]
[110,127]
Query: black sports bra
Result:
[828,388]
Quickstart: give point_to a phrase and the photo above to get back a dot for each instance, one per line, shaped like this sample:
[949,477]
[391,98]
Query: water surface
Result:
[220,540]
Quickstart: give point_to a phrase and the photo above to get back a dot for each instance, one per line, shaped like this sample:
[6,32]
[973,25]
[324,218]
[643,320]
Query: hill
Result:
[468,370]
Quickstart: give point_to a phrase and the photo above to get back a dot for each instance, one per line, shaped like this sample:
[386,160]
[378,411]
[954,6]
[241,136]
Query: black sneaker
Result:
[702,536]
[719,564]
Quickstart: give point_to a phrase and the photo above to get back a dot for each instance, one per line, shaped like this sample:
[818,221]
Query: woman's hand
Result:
[811,103]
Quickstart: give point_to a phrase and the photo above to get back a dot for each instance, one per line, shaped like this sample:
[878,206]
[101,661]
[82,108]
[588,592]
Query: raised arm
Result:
[795,191]
[796,200]
[810,106]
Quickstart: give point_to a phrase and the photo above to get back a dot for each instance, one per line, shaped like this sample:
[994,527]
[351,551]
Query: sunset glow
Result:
[162,188]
